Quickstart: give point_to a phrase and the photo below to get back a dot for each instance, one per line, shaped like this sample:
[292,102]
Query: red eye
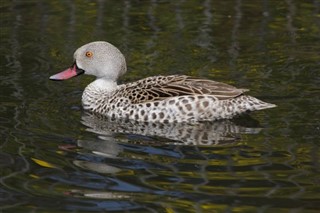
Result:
[89,54]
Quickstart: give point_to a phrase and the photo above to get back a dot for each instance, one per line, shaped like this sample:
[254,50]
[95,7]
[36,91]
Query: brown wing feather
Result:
[218,89]
[161,87]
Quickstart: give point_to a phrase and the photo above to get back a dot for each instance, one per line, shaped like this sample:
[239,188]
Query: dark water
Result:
[55,158]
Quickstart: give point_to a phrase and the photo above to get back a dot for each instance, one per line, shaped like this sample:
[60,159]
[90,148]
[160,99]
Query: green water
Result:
[55,158]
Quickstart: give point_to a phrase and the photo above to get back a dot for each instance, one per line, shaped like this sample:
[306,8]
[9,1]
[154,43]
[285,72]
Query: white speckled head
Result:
[101,59]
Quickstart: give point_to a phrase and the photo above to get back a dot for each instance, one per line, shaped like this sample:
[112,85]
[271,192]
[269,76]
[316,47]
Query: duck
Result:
[164,99]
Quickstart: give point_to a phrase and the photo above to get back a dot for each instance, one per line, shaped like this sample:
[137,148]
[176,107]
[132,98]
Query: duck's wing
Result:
[161,87]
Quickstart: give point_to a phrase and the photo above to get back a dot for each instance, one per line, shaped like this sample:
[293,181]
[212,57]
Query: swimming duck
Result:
[172,98]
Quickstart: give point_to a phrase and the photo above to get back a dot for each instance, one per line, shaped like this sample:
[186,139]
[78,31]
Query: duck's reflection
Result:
[208,133]
[113,134]
[125,147]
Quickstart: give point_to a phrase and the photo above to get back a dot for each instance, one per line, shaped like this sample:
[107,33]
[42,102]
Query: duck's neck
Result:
[104,85]
[97,89]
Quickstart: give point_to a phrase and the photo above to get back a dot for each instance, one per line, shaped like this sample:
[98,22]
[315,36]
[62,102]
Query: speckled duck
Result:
[173,98]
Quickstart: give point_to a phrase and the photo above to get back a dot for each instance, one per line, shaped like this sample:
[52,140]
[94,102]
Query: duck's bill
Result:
[68,73]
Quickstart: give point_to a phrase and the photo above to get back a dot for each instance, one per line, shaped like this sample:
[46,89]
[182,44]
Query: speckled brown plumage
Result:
[172,99]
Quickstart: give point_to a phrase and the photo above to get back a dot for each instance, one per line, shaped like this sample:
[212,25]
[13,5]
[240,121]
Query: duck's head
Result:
[98,58]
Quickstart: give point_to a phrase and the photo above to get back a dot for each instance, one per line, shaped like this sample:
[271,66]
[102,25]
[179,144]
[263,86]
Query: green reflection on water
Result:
[270,47]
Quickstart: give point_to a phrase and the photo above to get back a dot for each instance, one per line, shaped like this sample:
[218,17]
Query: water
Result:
[56,158]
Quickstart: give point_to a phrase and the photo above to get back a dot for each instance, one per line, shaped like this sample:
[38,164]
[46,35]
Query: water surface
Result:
[56,158]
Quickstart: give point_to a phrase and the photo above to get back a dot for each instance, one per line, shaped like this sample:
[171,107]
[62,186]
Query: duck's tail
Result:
[253,103]
[242,104]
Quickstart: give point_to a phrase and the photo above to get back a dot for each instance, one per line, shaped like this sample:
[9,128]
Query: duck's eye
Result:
[89,54]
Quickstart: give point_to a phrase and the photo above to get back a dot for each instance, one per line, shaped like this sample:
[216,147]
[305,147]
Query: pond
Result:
[56,158]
